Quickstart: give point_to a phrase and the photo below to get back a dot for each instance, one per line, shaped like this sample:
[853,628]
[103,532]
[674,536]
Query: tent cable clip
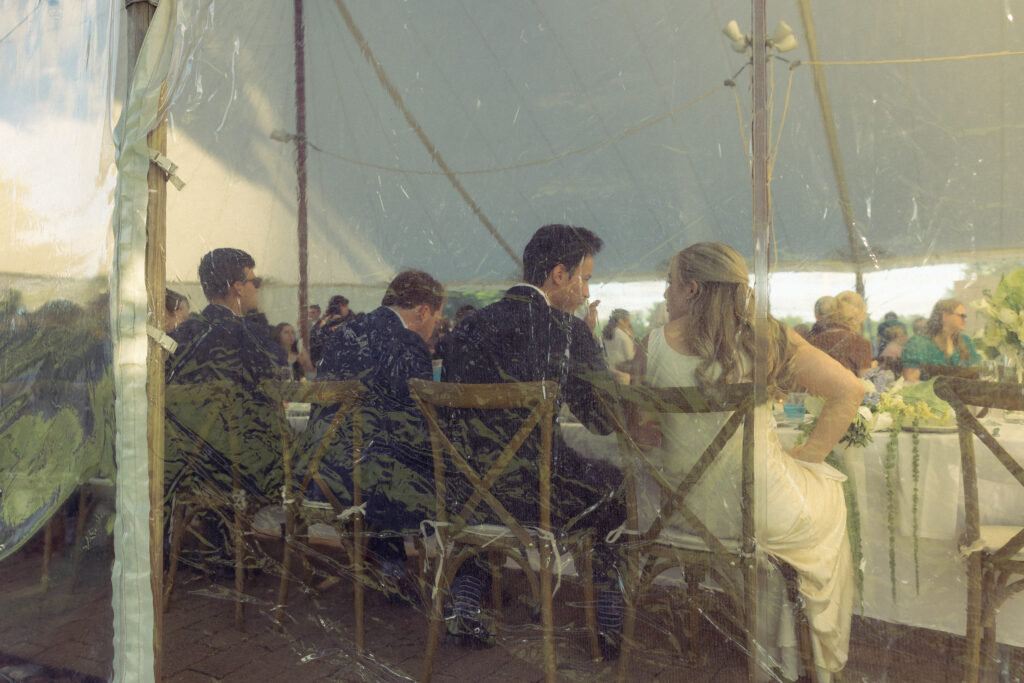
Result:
[161,338]
[169,168]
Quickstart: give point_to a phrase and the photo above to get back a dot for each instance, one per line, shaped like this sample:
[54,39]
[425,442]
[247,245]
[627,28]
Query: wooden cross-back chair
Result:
[962,371]
[346,518]
[459,537]
[210,403]
[995,554]
[699,554]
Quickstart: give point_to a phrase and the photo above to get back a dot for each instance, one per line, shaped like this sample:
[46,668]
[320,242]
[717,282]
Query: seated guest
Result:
[384,349]
[890,321]
[823,307]
[527,336]
[839,333]
[894,339]
[298,362]
[943,341]
[219,344]
[441,347]
[337,315]
[619,340]
[176,309]
[801,511]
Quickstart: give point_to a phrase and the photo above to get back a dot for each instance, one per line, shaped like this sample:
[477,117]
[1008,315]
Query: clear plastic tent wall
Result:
[340,144]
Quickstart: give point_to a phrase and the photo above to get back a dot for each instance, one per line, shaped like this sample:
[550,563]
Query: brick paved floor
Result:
[66,629]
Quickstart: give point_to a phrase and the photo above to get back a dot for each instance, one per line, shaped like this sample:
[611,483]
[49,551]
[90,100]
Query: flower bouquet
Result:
[1003,334]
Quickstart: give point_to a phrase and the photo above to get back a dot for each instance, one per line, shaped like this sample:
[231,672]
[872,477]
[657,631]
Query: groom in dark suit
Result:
[529,335]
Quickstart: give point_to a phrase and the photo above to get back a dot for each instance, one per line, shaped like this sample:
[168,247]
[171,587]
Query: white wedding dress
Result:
[799,511]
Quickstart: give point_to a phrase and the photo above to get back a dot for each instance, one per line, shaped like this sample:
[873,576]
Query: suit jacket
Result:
[397,472]
[217,345]
[522,339]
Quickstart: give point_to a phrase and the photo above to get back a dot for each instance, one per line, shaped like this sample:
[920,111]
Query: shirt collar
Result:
[400,319]
[535,287]
[226,309]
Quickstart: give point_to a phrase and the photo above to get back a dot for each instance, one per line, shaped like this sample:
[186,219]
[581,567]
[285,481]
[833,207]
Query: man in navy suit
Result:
[384,349]
[220,344]
[529,335]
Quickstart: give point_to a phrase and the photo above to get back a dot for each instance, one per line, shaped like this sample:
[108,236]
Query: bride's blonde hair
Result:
[721,325]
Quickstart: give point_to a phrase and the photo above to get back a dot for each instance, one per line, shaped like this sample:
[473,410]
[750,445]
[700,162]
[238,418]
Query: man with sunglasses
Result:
[221,345]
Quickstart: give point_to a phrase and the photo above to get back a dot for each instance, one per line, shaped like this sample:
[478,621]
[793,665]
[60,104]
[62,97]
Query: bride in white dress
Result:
[800,513]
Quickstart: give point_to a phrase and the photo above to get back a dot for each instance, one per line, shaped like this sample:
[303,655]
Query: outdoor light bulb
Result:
[739,40]
[281,136]
[783,39]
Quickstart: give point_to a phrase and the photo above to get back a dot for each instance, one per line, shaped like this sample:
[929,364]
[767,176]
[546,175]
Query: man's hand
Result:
[591,319]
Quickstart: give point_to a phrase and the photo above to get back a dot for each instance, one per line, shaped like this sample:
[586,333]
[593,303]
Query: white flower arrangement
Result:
[1003,334]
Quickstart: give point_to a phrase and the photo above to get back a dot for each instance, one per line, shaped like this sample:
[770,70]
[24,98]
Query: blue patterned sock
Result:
[609,611]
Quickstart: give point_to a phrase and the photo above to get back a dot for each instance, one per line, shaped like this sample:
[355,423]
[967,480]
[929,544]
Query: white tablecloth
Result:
[941,601]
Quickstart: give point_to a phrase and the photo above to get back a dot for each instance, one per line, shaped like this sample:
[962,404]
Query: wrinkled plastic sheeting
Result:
[435,134]
[57,424]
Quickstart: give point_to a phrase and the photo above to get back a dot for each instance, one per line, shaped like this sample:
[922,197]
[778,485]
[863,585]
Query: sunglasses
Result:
[962,316]
[256,281]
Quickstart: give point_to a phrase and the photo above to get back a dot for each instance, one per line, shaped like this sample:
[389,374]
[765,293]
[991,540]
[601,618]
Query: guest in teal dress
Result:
[943,341]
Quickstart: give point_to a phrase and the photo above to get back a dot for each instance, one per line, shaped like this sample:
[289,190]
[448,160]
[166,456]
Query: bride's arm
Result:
[823,376]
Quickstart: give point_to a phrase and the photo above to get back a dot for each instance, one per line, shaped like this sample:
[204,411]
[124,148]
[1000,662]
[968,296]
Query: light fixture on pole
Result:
[782,40]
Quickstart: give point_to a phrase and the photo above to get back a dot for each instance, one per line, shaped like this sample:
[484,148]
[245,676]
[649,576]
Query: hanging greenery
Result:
[888,405]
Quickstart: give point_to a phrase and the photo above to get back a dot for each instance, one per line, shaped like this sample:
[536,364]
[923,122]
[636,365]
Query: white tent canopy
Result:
[441,135]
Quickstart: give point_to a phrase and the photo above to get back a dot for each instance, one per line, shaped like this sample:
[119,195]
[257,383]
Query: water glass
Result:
[989,371]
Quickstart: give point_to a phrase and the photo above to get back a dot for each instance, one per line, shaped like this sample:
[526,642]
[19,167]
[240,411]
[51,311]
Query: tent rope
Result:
[916,60]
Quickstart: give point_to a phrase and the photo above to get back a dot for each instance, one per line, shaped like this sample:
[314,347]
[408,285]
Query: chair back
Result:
[962,395]
[205,421]
[536,397]
[345,398]
[734,400]
[962,371]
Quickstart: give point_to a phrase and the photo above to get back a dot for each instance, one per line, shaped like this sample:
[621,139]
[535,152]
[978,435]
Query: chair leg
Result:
[750,617]
[177,533]
[632,600]
[972,640]
[286,563]
[239,571]
[47,552]
[358,553]
[590,598]
[547,615]
[85,504]
[433,631]
[692,629]
[494,561]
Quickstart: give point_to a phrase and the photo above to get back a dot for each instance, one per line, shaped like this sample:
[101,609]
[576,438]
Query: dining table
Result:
[924,583]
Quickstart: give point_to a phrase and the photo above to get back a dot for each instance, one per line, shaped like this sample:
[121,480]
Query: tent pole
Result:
[759,167]
[300,171]
[139,16]
[762,251]
[829,123]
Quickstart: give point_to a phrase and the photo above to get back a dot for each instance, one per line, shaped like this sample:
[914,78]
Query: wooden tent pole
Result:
[300,171]
[140,13]
[762,252]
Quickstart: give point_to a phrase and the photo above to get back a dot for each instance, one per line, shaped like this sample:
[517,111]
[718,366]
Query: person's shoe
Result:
[464,617]
[609,623]
[397,585]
